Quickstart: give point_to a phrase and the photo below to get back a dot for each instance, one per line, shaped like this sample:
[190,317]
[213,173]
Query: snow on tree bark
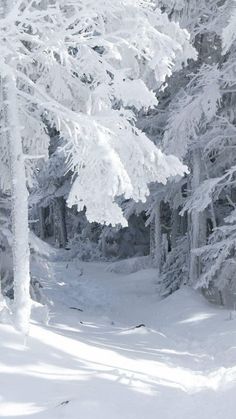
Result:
[158,238]
[19,213]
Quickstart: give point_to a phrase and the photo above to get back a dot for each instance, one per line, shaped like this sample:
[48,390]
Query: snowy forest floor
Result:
[93,362]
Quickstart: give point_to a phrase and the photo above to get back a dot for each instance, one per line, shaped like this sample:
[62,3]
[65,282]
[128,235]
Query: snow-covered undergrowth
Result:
[131,265]
[114,350]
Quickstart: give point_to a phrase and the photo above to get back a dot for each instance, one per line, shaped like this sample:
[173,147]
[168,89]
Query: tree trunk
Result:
[60,229]
[175,225]
[197,222]
[152,240]
[19,198]
[103,243]
[19,210]
[42,227]
[158,241]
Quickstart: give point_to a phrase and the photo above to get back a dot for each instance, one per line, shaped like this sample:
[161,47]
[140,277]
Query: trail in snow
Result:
[93,362]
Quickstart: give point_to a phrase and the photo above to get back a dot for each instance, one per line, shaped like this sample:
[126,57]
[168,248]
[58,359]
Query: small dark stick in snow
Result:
[75,308]
[64,403]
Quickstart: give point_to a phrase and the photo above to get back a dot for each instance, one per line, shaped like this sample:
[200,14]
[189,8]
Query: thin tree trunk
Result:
[152,240]
[19,198]
[198,222]
[42,228]
[63,228]
[195,222]
[175,224]
[213,215]
[60,229]
[158,241]
[19,211]
[104,243]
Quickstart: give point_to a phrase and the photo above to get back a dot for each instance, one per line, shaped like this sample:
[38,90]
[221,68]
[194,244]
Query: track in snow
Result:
[93,362]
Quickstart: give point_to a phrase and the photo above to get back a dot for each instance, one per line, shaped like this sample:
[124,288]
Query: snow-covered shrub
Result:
[175,269]
[219,257]
[128,266]
[83,248]
[37,247]
[128,242]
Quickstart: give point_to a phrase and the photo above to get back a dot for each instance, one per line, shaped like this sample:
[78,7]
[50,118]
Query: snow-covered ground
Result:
[113,350]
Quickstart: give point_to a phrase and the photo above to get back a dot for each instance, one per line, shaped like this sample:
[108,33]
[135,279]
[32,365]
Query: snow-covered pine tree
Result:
[201,130]
[83,67]
[15,139]
[190,104]
[218,256]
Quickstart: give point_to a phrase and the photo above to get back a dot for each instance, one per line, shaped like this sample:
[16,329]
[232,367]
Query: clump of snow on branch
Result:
[229,32]
[195,106]
[87,68]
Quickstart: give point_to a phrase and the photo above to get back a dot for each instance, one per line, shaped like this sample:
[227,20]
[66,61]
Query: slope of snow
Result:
[93,362]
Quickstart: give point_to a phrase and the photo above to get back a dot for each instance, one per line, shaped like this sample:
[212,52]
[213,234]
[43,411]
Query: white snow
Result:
[92,362]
